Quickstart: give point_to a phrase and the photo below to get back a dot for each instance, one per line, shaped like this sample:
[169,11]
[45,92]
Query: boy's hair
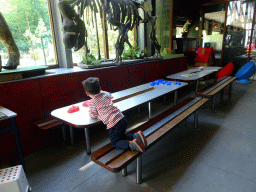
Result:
[91,85]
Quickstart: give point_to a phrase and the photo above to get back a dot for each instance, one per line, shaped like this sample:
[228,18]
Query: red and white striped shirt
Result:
[101,106]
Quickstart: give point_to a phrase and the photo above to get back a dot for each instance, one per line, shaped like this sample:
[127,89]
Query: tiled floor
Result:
[220,157]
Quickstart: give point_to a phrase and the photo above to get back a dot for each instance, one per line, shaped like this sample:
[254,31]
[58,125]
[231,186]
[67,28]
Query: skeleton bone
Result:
[7,39]
[74,27]
[122,14]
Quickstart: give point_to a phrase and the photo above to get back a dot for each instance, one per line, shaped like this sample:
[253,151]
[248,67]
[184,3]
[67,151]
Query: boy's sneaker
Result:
[141,137]
[135,145]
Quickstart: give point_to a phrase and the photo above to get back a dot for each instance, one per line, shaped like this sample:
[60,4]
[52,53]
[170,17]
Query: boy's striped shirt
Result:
[101,106]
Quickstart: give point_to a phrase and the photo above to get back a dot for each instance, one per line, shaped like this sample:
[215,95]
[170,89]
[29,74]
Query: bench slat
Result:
[115,160]
[216,85]
[126,158]
[210,85]
[158,118]
[166,128]
[117,152]
[111,156]
[95,156]
[102,151]
[48,123]
[214,91]
[122,161]
[160,123]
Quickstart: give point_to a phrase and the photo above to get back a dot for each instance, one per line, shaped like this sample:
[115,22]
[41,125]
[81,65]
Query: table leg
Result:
[124,171]
[71,135]
[230,89]
[175,97]
[139,170]
[138,109]
[64,133]
[88,143]
[213,102]
[149,110]
[17,141]
[196,120]
[197,86]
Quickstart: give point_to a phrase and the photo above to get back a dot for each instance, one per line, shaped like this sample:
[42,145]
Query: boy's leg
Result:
[141,137]
[117,135]
[128,136]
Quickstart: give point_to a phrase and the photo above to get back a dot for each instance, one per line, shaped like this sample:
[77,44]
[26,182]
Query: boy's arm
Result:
[108,94]
[92,110]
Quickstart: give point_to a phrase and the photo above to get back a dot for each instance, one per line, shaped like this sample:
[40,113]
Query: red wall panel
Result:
[23,98]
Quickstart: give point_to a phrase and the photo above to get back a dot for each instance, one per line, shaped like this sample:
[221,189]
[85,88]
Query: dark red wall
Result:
[33,99]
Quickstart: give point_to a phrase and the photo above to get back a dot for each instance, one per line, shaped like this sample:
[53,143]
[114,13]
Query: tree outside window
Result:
[29,23]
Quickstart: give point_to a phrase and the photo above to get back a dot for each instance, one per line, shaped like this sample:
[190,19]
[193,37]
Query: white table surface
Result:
[82,118]
[7,112]
[203,71]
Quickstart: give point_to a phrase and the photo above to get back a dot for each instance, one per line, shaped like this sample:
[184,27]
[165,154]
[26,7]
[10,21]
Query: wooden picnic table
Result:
[124,100]
[194,74]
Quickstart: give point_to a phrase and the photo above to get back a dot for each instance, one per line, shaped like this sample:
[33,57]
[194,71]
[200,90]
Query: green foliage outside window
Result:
[29,23]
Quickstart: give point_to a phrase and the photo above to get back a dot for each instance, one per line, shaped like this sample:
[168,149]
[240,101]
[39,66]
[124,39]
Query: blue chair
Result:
[245,72]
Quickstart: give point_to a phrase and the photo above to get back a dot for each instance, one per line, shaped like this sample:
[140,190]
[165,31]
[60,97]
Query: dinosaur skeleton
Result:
[122,14]
[7,39]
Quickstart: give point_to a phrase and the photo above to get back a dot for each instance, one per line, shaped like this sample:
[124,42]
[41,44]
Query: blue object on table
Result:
[167,83]
[159,80]
[245,72]
[152,83]
[177,83]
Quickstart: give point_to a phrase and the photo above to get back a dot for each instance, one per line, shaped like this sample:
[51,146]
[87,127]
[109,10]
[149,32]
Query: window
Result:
[30,25]
[239,32]
[100,48]
[179,30]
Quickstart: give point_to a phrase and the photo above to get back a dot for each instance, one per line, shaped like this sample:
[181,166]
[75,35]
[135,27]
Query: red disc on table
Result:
[112,97]
[73,109]
[85,104]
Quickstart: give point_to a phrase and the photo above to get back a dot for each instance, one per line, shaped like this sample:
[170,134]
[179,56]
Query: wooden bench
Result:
[213,89]
[49,123]
[154,129]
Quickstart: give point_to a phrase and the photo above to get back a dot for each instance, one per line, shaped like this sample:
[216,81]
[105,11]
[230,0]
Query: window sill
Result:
[76,69]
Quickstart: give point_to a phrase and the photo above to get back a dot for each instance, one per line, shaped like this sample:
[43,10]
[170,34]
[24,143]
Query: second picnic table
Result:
[194,74]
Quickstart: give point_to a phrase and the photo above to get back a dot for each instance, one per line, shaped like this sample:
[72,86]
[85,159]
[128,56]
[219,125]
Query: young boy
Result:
[101,106]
